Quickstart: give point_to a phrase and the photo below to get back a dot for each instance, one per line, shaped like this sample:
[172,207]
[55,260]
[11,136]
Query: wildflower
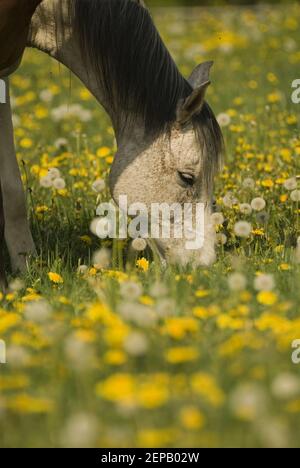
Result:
[242,229]
[248,401]
[249,183]
[221,239]
[98,186]
[191,418]
[286,386]
[143,264]
[131,290]
[245,208]
[59,183]
[267,298]
[258,204]
[136,344]
[102,258]
[264,282]
[217,219]
[46,181]
[165,307]
[295,195]
[54,173]
[55,278]
[180,355]
[224,119]
[82,269]
[237,282]
[139,244]
[81,430]
[38,311]
[290,184]
[229,200]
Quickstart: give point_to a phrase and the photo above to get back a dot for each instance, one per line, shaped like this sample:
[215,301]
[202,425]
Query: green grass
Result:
[198,364]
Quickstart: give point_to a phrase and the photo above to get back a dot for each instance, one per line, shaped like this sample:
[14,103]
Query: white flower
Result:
[82,269]
[98,186]
[139,244]
[79,353]
[39,311]
[295,195]
[59,183]
[245,208]
[136,344]
[242,229]
[60,142]
[248,401]
[286,386]
[290,184]
[264,282]
[80,431]
[229,200]
[166,308]
[46,95]
[217,219]
[237,282]
[139,314]
[54,173]
[258,204]
[224,119]
[102,258]
[16,285]
[131,290]
[249,183]
[221,239]
[46,181]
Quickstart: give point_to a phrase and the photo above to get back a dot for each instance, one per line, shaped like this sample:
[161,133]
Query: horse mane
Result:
[119,40]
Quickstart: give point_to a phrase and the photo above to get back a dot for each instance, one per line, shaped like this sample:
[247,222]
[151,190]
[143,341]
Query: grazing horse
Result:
[169,142]
[15,17]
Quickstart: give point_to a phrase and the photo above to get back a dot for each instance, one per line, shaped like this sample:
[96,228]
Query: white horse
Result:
[169,142]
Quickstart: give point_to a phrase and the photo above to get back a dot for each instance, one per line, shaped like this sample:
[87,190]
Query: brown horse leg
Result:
[3,283]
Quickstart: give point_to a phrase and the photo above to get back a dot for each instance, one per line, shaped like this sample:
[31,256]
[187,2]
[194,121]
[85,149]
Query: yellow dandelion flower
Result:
[143,264]
[267,298]
[55,278]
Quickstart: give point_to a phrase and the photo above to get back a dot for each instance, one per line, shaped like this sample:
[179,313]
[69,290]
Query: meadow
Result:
[105,347]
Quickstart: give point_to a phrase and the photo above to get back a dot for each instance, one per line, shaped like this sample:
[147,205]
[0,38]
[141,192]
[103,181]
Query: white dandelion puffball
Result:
[230,200]
[131,290]
[81,430]
[258,204]
[248,400]
[286,386]
[249,183]
[54,173]
[39,311]
[242,229]
[221,239]
[217,219]
[46,95]
[46,181]
[59,183]
[98,186]
[237,282]
[224,119]
[245,208]
[82,269]
[139,244]
[16,285]
[102,258]
[264,282]
[136,344]
[61,142]
[295,196]
[290,184]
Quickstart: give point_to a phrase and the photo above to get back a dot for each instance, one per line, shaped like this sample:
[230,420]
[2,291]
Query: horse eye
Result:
[186,179]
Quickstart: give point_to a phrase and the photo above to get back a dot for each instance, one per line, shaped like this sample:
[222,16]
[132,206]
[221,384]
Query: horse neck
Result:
[51,32]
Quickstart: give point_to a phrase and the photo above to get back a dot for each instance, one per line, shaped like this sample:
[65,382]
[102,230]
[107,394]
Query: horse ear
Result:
[192,104]
[200,75]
